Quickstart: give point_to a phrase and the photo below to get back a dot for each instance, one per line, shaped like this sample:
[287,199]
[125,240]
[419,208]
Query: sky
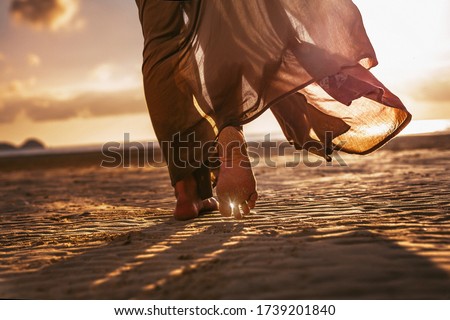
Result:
[70,70]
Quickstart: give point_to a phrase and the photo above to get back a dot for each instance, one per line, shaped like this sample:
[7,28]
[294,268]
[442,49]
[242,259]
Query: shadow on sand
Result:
[213,259]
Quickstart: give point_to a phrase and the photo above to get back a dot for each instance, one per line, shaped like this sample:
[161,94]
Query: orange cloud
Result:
[45,14]
[434,88]
[15,86]
[90,104]
[34,60]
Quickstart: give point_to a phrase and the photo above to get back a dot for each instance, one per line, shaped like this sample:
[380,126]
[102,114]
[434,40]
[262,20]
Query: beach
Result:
[375,228]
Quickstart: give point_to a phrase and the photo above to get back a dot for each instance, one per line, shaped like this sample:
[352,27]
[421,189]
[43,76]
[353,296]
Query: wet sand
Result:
[378,228]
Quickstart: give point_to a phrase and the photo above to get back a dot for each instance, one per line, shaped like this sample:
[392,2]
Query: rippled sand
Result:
[378,228]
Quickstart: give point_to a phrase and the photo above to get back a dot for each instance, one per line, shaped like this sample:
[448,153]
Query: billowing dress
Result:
[213,63]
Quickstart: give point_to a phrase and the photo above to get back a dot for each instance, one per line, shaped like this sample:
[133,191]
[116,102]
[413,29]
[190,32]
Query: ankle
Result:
[186,189]
[232,148]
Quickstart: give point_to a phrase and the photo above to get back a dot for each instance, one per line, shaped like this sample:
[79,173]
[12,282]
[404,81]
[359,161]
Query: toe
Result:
[245,208]
[252,200]
[225,208]
[237,212]
[209,205]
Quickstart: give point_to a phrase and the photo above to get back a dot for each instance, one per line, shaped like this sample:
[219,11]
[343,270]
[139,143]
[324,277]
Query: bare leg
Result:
[189,204]
[236,185]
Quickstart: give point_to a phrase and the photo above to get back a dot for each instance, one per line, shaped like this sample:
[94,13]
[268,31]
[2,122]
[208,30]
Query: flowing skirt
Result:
[214,63]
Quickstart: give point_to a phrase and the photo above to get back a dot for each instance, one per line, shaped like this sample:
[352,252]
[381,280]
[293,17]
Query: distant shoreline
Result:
[92,155]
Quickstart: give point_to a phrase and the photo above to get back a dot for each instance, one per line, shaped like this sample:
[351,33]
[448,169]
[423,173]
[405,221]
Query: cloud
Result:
[102,72]
[92,104]
[34,60]
[7,114]
[16,88]
[45,14]
[435,88]
[110,77]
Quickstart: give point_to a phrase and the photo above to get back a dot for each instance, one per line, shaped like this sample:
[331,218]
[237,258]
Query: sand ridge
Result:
[376,229]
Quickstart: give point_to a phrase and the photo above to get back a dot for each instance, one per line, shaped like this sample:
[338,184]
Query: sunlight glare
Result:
[426,126]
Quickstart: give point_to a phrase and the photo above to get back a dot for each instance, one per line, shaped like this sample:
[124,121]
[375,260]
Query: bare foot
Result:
[236,185]
[189,205]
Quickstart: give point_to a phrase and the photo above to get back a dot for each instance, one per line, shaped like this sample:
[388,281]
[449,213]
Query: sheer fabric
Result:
[213,63]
